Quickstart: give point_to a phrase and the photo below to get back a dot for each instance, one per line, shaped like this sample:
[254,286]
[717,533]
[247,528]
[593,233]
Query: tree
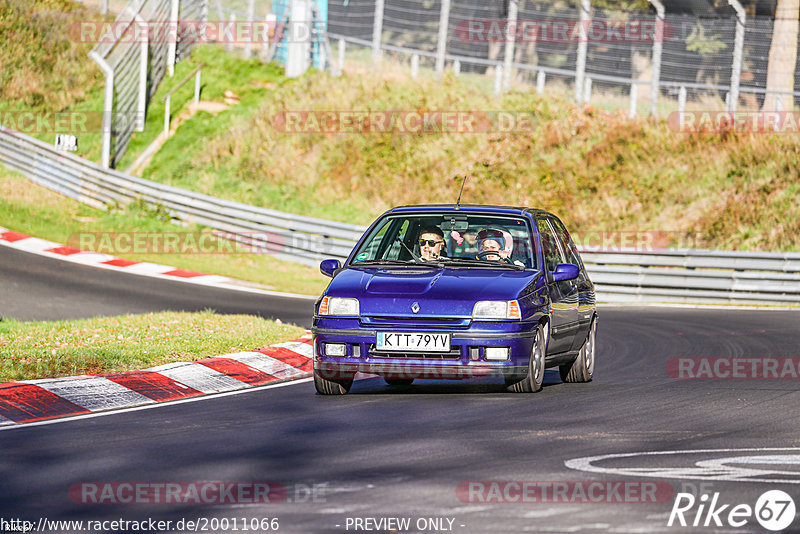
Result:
[782,54]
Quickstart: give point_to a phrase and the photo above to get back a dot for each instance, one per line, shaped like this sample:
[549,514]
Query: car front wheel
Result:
[582,369]
[535,375]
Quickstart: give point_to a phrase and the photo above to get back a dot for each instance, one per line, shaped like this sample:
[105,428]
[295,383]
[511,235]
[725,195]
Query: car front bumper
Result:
[466,359]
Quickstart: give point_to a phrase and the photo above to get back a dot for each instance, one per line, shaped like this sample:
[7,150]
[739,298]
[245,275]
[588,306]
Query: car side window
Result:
[568,244]
[550,249]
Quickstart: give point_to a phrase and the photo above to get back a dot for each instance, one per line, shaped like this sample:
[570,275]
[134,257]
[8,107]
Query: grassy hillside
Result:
[596,169]
[599,171]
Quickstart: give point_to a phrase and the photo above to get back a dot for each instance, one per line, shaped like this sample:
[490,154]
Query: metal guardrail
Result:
[670,275]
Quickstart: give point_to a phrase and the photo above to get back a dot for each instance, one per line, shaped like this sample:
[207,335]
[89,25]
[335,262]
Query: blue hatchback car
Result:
[457,291]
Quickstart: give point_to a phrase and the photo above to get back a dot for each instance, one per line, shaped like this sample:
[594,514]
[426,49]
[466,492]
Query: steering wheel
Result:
[486,253]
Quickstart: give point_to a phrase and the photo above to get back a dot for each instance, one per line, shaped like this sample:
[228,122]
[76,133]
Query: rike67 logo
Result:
[774,510]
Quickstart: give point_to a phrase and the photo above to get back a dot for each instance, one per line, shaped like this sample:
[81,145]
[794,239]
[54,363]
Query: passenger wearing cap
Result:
[431,242]
[496,240]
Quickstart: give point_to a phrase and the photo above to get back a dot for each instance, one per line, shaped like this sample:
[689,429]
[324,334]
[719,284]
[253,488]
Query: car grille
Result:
[453,354]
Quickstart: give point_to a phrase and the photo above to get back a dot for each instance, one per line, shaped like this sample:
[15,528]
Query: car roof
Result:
[485,208]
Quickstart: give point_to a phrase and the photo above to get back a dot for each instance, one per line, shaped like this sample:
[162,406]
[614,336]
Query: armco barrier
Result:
[671,275]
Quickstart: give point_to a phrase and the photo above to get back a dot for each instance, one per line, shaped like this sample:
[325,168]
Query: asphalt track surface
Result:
[403,452]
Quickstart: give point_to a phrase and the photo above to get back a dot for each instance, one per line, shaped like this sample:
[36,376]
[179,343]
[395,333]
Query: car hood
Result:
[437,292]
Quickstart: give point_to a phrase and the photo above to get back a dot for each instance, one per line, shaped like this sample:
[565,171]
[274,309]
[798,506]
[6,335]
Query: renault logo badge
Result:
[415,307]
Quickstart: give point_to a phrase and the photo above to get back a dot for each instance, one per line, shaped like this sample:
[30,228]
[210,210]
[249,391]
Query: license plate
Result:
[413,342]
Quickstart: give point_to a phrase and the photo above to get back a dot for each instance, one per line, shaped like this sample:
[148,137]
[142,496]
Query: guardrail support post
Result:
[540,81]
[166,117]
[441,43]
[414,66]
[341,55]
[498,79]
[634,99]
[456,67]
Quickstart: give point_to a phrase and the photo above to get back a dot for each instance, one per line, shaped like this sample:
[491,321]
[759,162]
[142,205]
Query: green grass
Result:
[598,170]
[63,220]
[250,80]
[47,349]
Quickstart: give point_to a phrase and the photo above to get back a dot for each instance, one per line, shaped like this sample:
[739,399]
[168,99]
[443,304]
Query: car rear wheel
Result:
[532,381]
[582,369]
[331,387]
[399,381]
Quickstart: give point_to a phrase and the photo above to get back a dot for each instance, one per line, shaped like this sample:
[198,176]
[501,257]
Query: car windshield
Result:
[452,239]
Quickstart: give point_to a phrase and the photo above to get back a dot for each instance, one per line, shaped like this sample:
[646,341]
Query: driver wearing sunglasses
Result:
[431,242]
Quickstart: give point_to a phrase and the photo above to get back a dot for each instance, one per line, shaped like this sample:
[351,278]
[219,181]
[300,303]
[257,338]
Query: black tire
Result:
[331,387]
[582,368]
[399,381]
[533,379]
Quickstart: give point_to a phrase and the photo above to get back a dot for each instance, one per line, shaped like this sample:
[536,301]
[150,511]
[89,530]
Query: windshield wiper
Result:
[382,262]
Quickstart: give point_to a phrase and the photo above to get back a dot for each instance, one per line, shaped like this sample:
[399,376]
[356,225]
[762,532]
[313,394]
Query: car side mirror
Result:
[329,267]
[565,271]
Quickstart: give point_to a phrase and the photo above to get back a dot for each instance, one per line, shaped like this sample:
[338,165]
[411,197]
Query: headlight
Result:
[496,309]
[338,306]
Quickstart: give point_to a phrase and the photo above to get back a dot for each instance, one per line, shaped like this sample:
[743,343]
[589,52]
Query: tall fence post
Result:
[633,102]
[441,44]
[172,36]
[232,22]
[682,99]
[510,36]
[251,14]
[583,46]
[141,104]
[658,42]
[377,31]
[738,45]
[197,87]
[108,107]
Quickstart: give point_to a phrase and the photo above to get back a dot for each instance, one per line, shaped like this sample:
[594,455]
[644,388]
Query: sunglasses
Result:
[429,242]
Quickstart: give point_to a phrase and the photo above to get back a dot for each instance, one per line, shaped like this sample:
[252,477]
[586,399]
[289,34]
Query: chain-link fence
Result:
[611,55]
[134,52]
